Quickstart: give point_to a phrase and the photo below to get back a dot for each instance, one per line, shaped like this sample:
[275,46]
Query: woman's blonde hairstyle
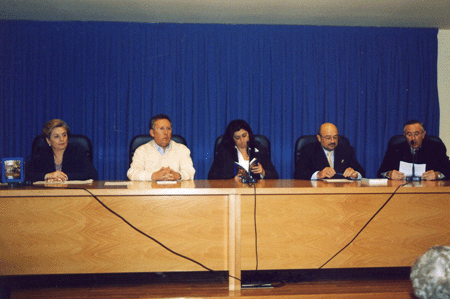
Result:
[51,124]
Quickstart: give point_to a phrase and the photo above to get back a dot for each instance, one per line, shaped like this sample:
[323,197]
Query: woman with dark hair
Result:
[60,161]
[239,146]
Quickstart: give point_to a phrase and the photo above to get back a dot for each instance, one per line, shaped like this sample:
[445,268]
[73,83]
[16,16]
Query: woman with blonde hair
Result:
[60,161]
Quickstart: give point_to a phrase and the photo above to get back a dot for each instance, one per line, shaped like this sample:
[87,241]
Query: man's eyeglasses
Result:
[329,138]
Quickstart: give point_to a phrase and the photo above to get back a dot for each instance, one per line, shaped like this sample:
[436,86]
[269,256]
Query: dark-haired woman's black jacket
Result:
[223,167]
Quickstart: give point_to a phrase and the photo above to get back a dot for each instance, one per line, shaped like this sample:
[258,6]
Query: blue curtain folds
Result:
[107,79]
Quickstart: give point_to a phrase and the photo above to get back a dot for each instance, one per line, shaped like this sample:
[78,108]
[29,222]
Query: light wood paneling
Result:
[301,224]
[50,235]
[304,231]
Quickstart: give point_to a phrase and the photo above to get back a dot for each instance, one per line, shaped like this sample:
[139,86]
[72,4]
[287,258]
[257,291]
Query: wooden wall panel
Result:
[304,231]
[77,235]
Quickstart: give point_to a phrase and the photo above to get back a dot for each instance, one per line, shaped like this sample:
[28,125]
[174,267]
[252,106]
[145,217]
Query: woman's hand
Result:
[258,169]
[57,176]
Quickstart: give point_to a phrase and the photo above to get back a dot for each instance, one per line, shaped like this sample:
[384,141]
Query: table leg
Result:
[234,241]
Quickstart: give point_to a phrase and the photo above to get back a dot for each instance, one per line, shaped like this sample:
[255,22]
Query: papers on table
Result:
[374,182]
[63,183]
[118,183]
[338,180]
[166,182]
[127,183]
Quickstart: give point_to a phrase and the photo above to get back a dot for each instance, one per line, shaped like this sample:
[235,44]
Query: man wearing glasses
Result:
[327,158]
[423,151]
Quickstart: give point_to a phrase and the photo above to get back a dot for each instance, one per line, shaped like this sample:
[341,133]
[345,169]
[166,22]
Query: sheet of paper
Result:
[337,180]
[63,183]
[374,182]
[166,182]
[407,169]
[117,183]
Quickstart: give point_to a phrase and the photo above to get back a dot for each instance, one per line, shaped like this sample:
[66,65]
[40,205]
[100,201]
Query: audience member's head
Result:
[430,274]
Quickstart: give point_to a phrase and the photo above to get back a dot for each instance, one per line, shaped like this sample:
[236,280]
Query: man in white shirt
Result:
[161,159]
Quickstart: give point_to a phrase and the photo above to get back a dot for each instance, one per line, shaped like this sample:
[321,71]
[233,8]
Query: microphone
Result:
[249,179]
[413,176]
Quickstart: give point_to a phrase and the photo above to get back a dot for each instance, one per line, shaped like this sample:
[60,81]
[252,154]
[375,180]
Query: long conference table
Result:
[63,229]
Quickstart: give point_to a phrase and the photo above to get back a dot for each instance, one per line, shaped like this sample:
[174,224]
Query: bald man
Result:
[326,158]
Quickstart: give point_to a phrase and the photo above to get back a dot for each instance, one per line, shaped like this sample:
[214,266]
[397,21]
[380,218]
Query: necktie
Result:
[329,159]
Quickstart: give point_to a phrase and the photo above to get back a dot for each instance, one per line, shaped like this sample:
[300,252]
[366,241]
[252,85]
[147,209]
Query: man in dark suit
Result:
[425,151]
[326,158]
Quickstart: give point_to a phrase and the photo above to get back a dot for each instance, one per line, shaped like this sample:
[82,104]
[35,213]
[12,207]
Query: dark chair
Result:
[307,139]
[143,139]
[81,140]
[397,139]
[260,138]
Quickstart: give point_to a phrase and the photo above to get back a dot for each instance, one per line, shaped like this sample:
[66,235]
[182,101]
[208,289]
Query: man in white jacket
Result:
[161,159]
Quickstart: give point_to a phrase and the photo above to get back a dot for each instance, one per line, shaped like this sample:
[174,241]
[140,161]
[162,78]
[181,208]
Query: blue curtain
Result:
[107,79]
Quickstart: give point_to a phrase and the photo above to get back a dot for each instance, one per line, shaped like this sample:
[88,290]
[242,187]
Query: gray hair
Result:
[430,274]
[413,122]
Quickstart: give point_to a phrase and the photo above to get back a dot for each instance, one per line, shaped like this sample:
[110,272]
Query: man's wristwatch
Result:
[439,175]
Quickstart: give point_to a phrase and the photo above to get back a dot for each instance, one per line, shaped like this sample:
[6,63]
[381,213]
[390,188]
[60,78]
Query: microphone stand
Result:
[249,179]
[413,177]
